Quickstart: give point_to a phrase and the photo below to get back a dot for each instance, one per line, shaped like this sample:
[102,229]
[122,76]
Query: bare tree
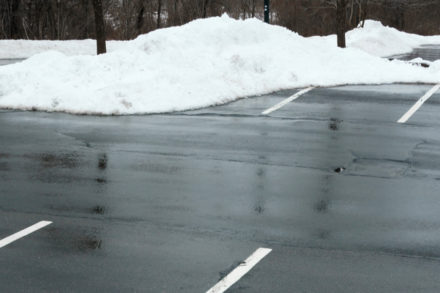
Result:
[204,8]
[357,12]
[159,12]
[99,26]
[10,18]
[341,18]
[140,18]
[126,19]
[363,11]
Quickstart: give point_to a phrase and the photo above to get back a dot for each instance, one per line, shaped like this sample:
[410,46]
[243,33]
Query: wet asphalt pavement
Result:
[10,61]
[427,52]
[172,203]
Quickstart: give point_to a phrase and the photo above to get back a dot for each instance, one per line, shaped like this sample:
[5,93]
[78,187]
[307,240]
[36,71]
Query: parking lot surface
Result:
[346,197]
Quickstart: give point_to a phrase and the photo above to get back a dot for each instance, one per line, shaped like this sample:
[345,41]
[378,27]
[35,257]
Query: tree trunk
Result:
[341,18]
[140,19]
[159,11]
[364,12]
[175,13]
[350,19]
[99,26]
[205,8]
[14,20]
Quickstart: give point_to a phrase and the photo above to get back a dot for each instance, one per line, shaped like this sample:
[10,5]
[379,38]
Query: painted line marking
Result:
[418,104]
[240,271]
[287,101]
[23,233]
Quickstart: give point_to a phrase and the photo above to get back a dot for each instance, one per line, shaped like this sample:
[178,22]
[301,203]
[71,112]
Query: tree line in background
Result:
[126,19]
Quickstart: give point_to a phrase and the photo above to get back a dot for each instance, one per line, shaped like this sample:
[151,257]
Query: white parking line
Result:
[22,233]
[418,104]
[286,101]
[240,271]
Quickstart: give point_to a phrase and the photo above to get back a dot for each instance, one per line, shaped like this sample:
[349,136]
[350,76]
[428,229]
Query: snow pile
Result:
[379,40]
[373,38]
[203,63]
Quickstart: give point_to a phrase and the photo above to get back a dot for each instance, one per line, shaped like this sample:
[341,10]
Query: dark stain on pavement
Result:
[101,180]
[4,155]
[63,160]
[334,124]
[4,166]
[100,210]
[102,161]
[70,238]
[321,206]
[259,209]
[323,234]
[89,243]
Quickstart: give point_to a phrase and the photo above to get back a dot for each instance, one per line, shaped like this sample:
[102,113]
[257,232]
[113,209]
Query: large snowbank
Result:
[203,63]
[379,40]
[373,38]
